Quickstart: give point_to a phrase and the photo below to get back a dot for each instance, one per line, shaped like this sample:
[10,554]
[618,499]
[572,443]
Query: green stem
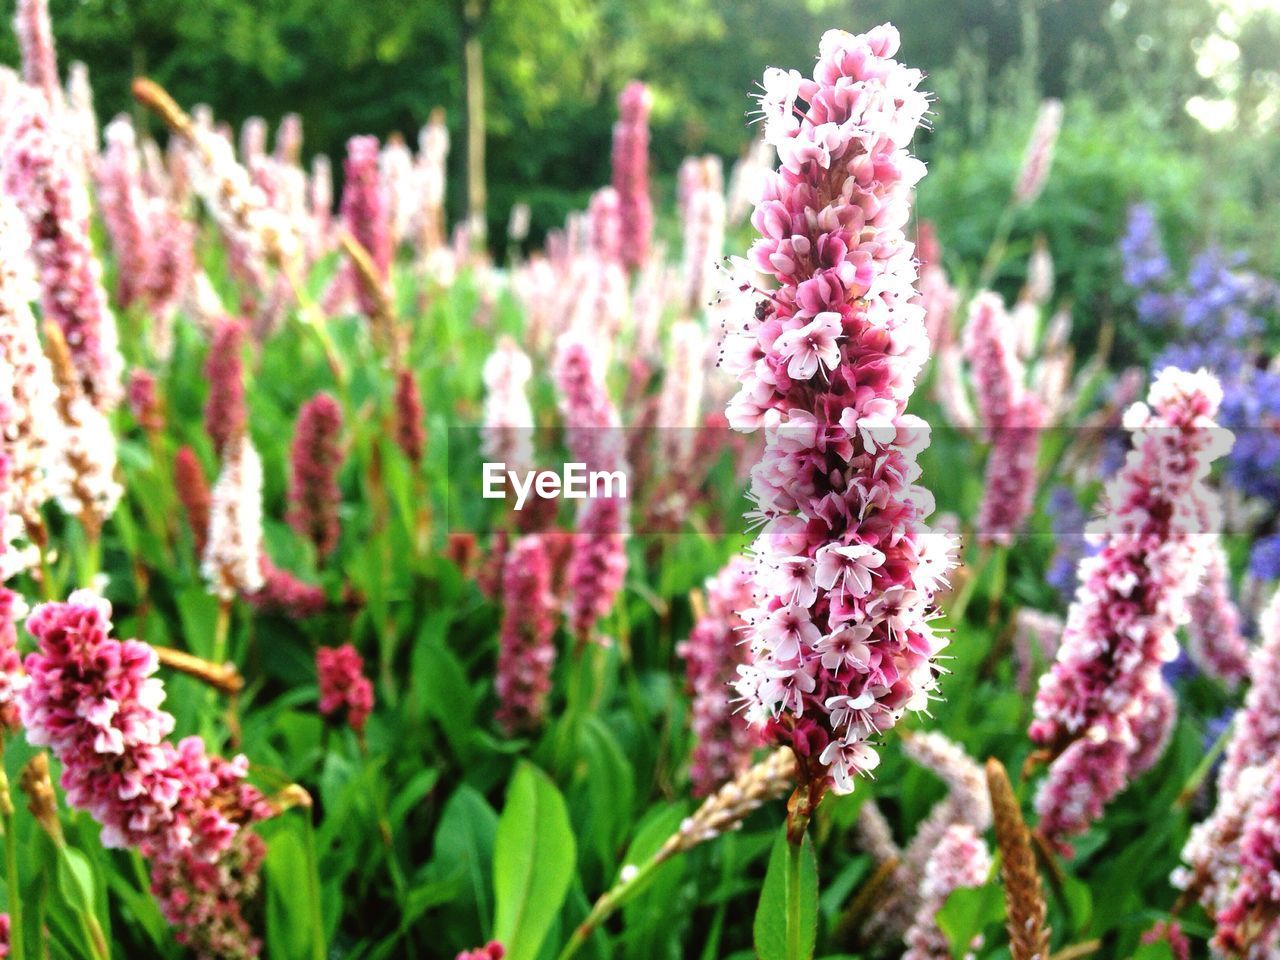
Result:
[313,882]
[795,950]
[610,901]
[90,559]
[384,831]
[961,603]
[998,579]
[314,319]
[995,253]
[93,934]
[47,586]
[17,950]
[221,630]
[1203,768]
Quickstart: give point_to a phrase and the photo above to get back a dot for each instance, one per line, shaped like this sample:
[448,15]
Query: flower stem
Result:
[999,243]
[222,627]
[610,901]
[1203,768]
[17,950]
[47,586]
[794,920]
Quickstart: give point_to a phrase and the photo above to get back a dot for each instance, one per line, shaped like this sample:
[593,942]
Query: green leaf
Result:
[75,879]
[198,610]
[464,847]
[291,934]
[969,911]
[1153,951]
[440,685]
[606,789]
[786,926]
[1079,900]
[534,861]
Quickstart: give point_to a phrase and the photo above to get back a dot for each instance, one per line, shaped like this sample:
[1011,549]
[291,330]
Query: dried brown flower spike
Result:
[1024,898]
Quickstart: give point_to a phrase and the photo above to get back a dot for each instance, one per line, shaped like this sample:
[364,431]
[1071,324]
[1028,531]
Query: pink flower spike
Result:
[631,173]
[712,654]
[961,859]
[316,458]
[39,58]
[1101,712]
[839,640]
[343,685]
[12,677]
[39,173]
[1216,643]
[527,649]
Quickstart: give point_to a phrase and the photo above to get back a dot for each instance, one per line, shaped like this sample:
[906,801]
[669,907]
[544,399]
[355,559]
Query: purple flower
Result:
[39,173]
[1264,559]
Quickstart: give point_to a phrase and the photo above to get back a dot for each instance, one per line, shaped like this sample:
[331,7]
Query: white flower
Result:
[848,568]
[845,646]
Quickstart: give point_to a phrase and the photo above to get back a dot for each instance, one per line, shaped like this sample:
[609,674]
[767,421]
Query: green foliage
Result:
[969,913]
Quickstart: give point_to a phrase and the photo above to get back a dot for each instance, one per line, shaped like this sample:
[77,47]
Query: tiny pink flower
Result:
[848,567]
[845,647]
[812,347]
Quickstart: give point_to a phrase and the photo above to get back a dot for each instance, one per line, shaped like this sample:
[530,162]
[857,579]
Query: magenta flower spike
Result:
[410,435]
[124,209]
[12,677]
[1215,641]
[283,593]
[224,408]
[1012,414]
[364,213]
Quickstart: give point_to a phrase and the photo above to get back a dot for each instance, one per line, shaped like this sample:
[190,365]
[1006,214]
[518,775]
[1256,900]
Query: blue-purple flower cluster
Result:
[1067,521]
[1215,320]
[1264,561]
